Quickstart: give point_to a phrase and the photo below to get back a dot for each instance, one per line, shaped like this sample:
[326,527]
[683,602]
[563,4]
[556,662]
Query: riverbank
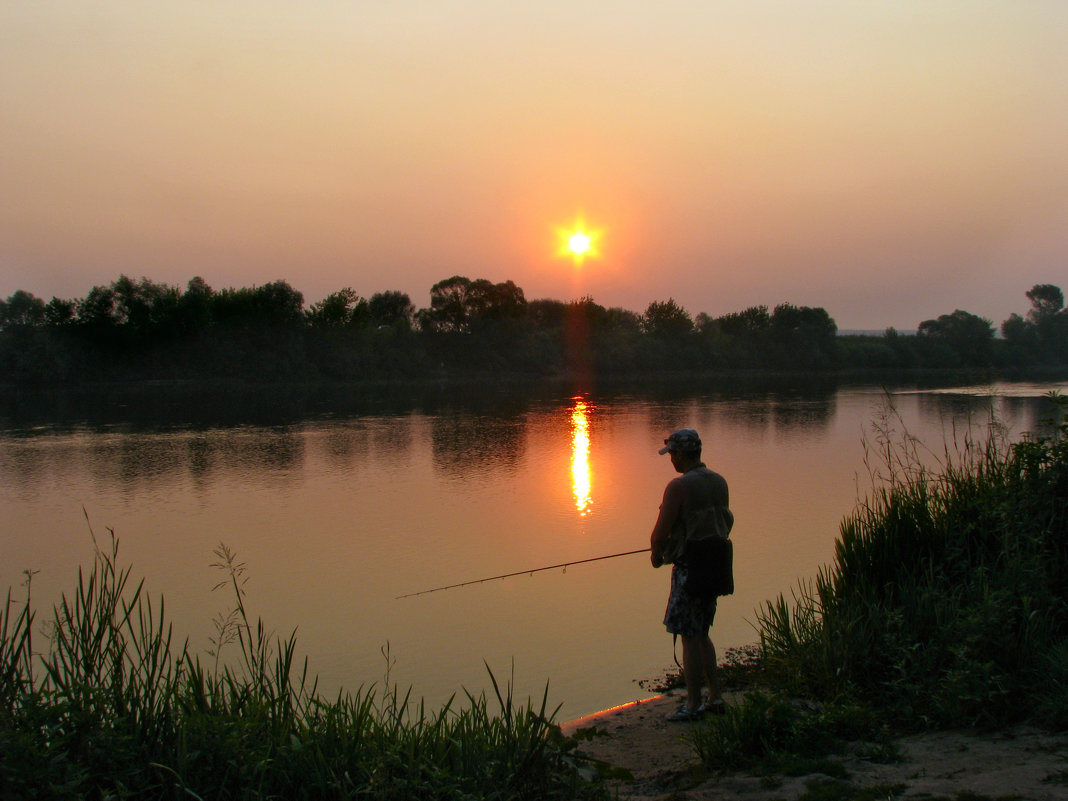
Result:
[215,402]
[1020,763]
[522,381]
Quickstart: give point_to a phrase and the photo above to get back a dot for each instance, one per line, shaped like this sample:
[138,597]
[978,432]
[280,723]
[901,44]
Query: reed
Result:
[946,605]
[947,601]
[119,709]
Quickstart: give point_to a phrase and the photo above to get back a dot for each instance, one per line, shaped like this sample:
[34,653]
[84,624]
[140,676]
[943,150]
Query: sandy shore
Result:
[1021,763]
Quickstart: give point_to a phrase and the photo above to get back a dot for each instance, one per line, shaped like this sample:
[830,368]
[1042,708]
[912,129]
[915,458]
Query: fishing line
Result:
[563,565]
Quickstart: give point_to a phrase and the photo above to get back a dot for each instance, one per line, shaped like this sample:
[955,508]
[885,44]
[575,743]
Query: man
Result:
[693,503]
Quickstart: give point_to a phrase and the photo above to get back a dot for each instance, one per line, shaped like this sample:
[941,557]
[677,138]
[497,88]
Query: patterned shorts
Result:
[687,615]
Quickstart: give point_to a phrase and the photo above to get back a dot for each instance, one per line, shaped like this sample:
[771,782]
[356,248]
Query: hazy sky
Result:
[889,161]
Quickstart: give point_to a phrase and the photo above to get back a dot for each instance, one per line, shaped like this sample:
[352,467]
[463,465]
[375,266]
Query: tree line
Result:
[140,329]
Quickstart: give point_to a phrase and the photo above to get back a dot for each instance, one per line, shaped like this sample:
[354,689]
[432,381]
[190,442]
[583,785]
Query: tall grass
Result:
[947,601]
[116,709]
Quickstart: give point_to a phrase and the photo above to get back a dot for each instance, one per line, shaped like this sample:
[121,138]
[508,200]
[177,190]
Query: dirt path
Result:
[1021,763]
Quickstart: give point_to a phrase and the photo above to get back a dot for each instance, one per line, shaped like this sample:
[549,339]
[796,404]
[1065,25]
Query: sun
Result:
[578,241]
[579,244]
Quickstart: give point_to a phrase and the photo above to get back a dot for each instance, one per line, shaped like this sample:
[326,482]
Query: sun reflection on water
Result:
[580,455]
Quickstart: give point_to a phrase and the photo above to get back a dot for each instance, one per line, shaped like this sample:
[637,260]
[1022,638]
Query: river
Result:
[338,501]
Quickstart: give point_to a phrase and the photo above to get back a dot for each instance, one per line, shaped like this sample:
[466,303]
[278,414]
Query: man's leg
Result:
[699,668]
[711,673]
[693,669]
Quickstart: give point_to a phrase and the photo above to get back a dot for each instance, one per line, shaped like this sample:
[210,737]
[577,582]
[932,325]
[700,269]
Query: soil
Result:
[1019,763]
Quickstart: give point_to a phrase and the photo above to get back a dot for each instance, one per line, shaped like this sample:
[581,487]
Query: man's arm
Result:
[669,513]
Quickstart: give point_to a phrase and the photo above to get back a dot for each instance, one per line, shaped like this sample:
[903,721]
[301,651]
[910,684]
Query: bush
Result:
[947,602]
[772,733]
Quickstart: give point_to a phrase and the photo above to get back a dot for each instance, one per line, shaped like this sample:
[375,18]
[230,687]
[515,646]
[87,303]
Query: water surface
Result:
[337,502]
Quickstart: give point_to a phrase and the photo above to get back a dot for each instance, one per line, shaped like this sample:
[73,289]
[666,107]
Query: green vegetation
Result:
[831,790]
[113,710]
[134,330]
[946,606]
[770,733]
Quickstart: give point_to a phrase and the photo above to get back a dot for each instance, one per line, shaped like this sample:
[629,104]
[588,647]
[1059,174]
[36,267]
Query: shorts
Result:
[687,615]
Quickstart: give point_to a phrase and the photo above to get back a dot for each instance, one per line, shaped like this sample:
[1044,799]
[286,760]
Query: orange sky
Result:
[889,161]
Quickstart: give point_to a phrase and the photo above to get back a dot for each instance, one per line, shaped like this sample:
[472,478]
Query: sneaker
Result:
[685,713]
[716,707]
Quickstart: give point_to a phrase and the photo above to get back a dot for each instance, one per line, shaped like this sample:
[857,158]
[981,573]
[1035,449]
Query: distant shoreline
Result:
[457,378]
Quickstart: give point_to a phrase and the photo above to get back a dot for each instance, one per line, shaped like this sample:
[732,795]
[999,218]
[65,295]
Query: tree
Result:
[503,301]
[1017,331]
[273,305]
[1050,320]
[59,312]
[545,313]
[1046,301]
[335,310]
[96,311]
[1043,334]
[144,309]
[392,308]
[457,303]
[619,319]
[748,323]
[194,307]
[449,305]
[21,310]
[666,319]
[278,304]
[814,325]
[970,336]
[588,313]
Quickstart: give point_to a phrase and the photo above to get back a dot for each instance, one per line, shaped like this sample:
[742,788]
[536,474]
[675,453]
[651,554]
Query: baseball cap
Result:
[685,440]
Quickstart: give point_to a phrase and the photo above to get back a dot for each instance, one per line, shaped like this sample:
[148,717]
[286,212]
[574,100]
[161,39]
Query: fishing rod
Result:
[564,565]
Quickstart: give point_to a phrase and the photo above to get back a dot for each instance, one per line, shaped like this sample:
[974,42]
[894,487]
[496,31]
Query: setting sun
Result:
[578,242]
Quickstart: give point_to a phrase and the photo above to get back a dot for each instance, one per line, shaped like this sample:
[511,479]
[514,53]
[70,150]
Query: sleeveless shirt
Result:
[705,510]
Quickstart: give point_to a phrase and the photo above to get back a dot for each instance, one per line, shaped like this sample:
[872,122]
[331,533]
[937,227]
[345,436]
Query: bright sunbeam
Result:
[580,456]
